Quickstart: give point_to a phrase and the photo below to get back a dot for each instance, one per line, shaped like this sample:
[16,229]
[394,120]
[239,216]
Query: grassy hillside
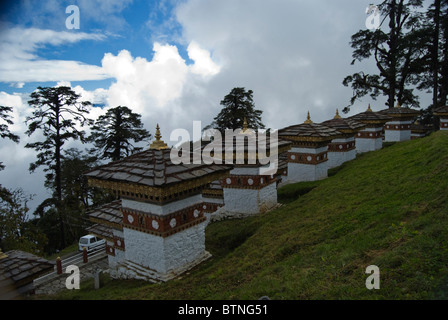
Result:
[387,208]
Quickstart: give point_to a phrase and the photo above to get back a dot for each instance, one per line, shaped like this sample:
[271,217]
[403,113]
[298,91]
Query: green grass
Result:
[73,248]
[386,208]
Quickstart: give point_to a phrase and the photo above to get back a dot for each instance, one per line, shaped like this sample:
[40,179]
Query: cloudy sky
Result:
[173,61]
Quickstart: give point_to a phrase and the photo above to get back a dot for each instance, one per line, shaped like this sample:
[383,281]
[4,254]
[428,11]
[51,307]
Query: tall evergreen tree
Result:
[58,114]
[443,83]
[115,133]
[77,197]
[237,105]
[5,133]
[397,50]
[17,232]
[435,66]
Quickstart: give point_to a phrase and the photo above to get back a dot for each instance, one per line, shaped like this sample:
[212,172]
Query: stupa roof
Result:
[19,269]
[371,117]
[400,112]
[213,190]
[441,111]
[246,143]
[108,214]
[152,168]
[101,230]
[151,175]
[309,132]
[344,125]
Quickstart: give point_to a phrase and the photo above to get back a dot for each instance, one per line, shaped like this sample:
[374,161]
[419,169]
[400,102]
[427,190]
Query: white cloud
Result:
[203,64]
[19,62]
[108,13]
[144,84]
[17,85]
[292,54]
[15,156]
[19,111]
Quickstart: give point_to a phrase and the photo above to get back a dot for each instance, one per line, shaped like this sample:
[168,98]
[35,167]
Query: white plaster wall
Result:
[250,201]
[378,143]
[161,210]
[309,150]
[335,159]
[245,171]
[113,261]
[267,169]
[184,247]
[365,145]
[398,122]
[397,135]
[372,129]
[298,172]
[165,254]
[145,249]
[343,140]
[321,170]
[119,254]
[350,155]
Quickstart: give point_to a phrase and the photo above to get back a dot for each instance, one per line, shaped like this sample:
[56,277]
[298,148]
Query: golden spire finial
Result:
[369,109]
[158,135]
[246,129]
[337,116]
[308,118]
[158,144]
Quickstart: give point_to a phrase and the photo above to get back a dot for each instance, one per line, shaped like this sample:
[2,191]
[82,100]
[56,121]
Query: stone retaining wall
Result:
[57,283]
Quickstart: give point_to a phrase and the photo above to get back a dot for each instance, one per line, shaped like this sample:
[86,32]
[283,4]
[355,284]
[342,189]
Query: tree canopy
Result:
[5,133]
[237,105]
[58,114]
[115,133]
[17,232]
[398,51]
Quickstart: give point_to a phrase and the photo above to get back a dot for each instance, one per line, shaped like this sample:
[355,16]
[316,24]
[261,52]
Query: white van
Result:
[90,242]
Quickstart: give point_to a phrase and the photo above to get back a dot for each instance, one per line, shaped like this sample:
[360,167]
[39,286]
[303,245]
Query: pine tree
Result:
[17,232]
[398,52]
[115,133]
[4,129]
[58,114]
[237,105]
[435,66]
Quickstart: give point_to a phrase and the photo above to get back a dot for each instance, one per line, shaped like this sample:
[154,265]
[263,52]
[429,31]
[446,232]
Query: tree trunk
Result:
[435,54]
[393,53]
[444,64]
[58,177]
[117,142]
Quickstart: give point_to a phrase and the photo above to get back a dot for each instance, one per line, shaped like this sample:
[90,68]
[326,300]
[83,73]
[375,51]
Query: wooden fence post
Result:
[58,265]
[84,255]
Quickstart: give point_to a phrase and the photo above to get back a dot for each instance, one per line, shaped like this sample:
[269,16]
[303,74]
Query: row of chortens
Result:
[156,229]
